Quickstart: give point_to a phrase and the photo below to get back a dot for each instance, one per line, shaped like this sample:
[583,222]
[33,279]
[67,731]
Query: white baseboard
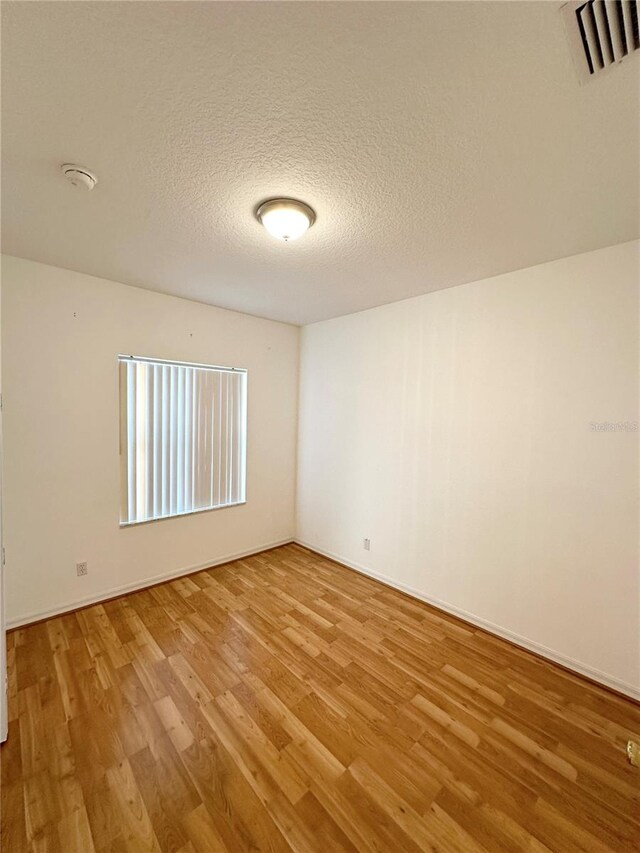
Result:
[555,657]
[27,618]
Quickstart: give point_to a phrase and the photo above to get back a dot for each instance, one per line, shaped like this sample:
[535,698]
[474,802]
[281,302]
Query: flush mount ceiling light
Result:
[285,218]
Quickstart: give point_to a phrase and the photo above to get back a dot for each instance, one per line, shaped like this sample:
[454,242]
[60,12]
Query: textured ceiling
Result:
[439,143]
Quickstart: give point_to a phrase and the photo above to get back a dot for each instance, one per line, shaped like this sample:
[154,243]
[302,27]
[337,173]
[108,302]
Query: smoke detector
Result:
[79,176]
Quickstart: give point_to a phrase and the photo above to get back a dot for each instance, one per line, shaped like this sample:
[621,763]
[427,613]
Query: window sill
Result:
[180,514]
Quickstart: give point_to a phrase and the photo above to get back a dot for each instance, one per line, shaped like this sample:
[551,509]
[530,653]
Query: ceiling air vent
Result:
[602,33]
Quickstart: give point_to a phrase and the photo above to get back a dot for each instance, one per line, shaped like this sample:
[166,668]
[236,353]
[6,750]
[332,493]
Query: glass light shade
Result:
[285,218]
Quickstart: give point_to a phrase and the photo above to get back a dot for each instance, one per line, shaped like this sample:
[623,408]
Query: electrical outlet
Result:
[366,544]
[81,569]
[633,753]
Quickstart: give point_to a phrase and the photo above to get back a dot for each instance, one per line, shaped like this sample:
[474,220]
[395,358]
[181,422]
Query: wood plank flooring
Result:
[283,702]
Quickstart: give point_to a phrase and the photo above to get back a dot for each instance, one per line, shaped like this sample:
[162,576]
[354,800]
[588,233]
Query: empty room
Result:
[319,426]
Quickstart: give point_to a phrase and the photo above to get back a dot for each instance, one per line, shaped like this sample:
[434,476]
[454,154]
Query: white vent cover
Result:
[602,33]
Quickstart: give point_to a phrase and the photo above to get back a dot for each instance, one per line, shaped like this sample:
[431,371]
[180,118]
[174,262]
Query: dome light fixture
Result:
[285,218]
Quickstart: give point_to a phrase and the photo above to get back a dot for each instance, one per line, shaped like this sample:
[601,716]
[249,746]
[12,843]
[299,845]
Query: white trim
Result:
[555,657]
[27,618]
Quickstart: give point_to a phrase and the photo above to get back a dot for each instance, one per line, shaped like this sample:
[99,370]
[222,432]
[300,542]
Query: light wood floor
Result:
[284,702]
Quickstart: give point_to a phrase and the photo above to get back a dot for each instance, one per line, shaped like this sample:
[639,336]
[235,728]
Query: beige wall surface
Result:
[62,333]
[456,431]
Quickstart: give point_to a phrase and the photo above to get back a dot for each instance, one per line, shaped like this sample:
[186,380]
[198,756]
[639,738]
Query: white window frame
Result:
[125,440]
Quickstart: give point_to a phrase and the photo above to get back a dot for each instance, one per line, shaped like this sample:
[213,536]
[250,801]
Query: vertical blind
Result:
[182,438]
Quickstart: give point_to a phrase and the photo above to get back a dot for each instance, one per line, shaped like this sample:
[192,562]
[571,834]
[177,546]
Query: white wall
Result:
[62,333]
[454,430]
[4,715]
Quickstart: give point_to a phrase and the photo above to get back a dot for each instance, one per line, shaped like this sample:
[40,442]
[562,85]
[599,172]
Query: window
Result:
[183,431]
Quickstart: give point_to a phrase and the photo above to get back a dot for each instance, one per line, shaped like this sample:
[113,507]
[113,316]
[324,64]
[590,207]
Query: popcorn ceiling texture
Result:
[440,143]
